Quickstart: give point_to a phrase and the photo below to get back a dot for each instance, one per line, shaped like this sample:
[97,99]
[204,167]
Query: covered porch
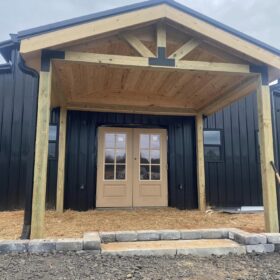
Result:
[151,63]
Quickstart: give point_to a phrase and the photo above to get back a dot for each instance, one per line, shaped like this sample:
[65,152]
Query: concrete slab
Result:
[41,246]
[170,234]
[273,238]
[69,244]
[92,241]
[148,235]
[200,247]
[126,236]
[107,237]
[260,248]
[18,246]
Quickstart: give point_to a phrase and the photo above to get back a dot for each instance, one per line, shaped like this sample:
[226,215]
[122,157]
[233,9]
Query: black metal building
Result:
[232,162]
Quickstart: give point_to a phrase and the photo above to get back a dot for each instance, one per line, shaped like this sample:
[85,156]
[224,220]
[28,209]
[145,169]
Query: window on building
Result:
[52,141]
[213,150]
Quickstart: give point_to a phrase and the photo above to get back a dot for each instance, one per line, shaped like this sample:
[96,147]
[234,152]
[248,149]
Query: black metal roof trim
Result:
[275,87]
[7,46]
[7,67]
[138,6]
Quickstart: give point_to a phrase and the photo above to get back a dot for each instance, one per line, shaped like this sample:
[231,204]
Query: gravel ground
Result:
[84,265]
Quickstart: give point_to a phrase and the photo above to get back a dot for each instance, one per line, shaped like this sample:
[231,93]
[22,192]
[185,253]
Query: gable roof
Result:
[138,6]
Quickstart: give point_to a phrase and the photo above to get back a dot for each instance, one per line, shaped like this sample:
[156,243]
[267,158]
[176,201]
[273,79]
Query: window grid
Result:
[116,165]
[213,148]
[149,166]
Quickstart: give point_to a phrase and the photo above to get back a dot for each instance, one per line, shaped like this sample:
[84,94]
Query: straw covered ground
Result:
[74,224]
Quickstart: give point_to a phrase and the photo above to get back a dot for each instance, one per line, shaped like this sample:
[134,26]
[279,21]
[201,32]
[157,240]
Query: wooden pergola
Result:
[154,59]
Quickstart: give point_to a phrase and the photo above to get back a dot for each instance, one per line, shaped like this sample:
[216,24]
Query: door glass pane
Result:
[144,172]
[155,156]
[155,141]
[120,172]
[144,157]
[144,141]
[115,156]
[109,156]
[155,172]
[120,156]
[150,156]
[109,140]
[120,141]
[109,172]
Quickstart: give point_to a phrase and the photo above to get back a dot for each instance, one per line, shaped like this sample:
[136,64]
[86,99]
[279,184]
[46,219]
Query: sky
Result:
[258,18]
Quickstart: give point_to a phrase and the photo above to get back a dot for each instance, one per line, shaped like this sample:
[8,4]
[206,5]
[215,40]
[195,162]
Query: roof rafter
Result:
[185,49]
[137,45]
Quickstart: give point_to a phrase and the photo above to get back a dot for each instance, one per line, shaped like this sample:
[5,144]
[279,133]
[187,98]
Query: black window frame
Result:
[53,142]
[220,146]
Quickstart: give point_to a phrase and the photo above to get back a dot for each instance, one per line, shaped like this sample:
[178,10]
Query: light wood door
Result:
[150,168]
[114,174]
[132,167]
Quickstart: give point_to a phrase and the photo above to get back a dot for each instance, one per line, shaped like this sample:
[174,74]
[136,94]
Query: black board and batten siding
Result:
[235,180]
[81,155]
[18,110]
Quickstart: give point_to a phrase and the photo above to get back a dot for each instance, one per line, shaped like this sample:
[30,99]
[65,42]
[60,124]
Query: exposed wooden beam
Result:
[61,161]
[161,35]
[233,94]
[185,49]
[137,45]
[151,110]
[41,157]
[213,67]
[57,100]
[267,155]
[200,163]
[181,65]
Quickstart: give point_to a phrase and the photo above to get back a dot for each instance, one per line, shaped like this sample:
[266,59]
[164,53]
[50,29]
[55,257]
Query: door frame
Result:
[130,155]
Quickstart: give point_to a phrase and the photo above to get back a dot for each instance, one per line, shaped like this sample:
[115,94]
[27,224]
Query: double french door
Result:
[132,167]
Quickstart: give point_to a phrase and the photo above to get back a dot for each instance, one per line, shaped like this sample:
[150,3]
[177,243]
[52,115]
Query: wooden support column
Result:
[41,157]
[61,161]
[267,155]
[200,163]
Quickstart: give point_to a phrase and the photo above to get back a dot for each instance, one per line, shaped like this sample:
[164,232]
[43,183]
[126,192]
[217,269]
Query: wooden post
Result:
[200,163]
[267,155]
[41,156]
[61,161]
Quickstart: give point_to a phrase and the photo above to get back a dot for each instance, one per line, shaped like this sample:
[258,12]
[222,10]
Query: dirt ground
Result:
[84,265]
[74,224]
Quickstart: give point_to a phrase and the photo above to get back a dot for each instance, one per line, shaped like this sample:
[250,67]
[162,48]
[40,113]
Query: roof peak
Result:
[138,6]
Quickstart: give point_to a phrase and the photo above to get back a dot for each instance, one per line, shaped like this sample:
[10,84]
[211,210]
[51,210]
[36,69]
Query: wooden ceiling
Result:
[85,86]
[81,86]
